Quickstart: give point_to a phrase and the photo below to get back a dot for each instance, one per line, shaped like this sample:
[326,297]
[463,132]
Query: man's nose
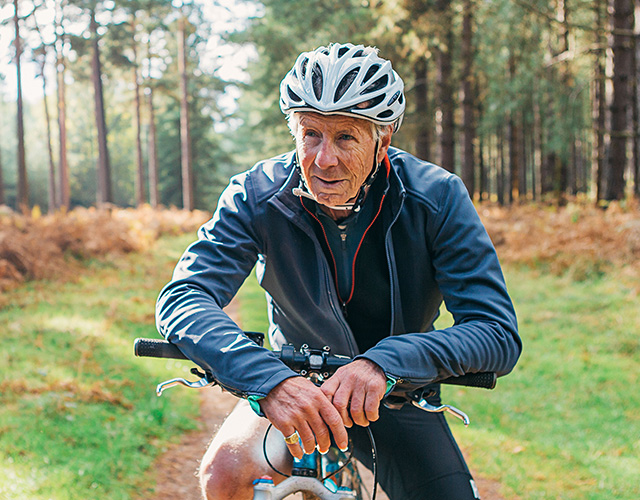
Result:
[327,155]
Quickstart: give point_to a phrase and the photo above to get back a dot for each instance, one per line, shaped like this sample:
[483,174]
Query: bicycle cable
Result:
[374,463]
[374,460]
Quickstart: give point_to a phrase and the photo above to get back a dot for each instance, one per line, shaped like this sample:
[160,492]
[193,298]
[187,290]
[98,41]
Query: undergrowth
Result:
[55,246]
[578,240]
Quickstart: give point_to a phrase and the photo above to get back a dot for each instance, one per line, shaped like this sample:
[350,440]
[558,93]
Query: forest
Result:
[523,99]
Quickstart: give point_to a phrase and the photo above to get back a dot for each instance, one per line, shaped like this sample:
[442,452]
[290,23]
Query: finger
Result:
[322,434]
[356,408]
[307,438]
[372,406]
[294,446]
[341,403]
[333,419]
[330,386]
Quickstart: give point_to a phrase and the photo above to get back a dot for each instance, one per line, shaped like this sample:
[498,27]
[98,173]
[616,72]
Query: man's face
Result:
[336,155]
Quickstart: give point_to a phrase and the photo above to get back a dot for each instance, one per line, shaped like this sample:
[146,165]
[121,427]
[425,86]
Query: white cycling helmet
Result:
[344,79]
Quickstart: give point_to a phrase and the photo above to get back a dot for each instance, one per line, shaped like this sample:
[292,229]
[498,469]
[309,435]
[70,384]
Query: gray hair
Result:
[377,131]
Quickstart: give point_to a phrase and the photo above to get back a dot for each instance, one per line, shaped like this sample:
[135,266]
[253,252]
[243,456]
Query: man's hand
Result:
[297,405]
[356,390]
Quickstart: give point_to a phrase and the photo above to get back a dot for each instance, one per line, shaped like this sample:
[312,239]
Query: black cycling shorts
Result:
[418,457]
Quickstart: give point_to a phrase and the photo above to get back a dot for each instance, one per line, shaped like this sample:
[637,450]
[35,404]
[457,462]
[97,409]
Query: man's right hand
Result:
[297,405]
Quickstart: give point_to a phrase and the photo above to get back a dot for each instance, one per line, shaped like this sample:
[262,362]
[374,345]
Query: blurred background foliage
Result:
[525,100]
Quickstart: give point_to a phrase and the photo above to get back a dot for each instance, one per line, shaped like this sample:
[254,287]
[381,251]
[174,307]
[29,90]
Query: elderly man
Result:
[356,244]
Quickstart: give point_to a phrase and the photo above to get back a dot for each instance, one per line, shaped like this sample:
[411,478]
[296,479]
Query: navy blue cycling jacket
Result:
[436,248]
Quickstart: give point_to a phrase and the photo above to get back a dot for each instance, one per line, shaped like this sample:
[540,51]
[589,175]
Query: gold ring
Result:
[293,439]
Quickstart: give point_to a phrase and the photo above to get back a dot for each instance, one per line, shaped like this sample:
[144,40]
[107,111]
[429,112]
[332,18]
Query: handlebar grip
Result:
[485,380]
[156,348]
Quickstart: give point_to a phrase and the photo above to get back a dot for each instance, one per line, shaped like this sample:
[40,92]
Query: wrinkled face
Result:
[336,155]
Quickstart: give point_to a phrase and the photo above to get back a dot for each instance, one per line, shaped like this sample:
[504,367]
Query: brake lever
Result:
[423,405]
[395,402]
[204,381]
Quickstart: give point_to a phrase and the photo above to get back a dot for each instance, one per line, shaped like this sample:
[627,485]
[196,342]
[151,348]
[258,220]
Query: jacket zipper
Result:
[343,237]
[389,265]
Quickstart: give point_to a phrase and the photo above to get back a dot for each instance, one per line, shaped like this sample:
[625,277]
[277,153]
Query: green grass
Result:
[79,417]
[566,423]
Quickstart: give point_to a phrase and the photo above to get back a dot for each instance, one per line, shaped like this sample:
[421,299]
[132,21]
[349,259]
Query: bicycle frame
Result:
[264,489]
[301,481]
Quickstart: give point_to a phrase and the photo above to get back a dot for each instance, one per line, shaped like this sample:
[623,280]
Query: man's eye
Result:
[346,137]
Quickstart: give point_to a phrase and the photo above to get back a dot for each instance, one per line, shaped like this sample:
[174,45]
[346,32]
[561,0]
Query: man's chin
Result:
[332,200]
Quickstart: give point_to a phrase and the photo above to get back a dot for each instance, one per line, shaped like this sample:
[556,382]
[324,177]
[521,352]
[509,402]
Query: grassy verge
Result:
[566,423]
[78,414]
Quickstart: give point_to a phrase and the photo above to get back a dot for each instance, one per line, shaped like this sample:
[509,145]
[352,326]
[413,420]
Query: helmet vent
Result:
[304,67]
[316,80]
[371,103]
[359,53]
[377,85]
[385,114]
[345,83]
[293,95]
[370,72]
[343,51]
[394,98]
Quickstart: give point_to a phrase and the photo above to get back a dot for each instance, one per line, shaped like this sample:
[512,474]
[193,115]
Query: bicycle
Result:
[326,477]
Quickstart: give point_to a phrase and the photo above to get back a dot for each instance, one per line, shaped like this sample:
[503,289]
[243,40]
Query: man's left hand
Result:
[356,390]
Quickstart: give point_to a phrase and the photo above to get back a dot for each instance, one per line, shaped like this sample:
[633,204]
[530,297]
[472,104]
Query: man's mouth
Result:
[328,182]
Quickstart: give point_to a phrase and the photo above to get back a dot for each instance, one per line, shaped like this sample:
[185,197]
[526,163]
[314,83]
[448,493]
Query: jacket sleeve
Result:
[189,309]
[484,336]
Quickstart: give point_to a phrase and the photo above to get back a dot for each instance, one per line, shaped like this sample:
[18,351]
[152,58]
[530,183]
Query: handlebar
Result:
[303,361]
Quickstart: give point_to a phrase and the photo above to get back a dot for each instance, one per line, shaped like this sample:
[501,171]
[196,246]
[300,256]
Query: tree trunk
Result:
[423,116]
[599,103]
[636,103]
[63,193]
[467,172]
[512,140]
[500,170]
[2,200]
[445,88]
[104,168]
[152,153]
[535,154]
[140,181]
[522,157]
[512,137]
[52,169]
[622,72]
[154,197]
[561,176]
[185,133]
[483,173]
[22,200]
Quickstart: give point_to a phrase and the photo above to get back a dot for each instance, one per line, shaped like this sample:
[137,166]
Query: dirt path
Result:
[176,468]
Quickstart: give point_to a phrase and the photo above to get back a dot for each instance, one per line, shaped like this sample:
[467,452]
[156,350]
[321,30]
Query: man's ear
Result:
[385,142]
